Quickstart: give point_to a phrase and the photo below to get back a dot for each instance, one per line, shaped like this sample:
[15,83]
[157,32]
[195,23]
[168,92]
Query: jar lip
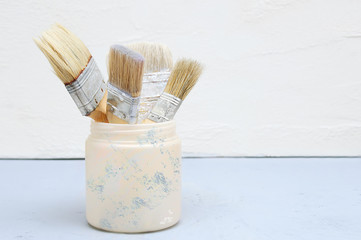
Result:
[130,127]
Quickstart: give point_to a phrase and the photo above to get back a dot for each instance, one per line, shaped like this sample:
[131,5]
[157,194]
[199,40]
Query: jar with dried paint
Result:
[133,177]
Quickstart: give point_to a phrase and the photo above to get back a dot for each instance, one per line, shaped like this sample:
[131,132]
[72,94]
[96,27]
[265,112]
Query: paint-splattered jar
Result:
[133,176]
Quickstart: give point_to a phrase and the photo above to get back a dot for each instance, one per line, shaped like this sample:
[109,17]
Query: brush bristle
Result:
[126,69]
[184,76]
[158,57]
[66,53]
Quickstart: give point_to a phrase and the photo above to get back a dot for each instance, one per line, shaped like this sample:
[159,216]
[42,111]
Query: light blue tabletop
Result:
[223,198]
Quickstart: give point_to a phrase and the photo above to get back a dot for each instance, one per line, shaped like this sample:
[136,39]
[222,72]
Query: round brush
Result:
[183,77]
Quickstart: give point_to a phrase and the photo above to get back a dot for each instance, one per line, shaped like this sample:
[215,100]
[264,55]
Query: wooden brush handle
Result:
[114,119]
[147,121]
[99,114]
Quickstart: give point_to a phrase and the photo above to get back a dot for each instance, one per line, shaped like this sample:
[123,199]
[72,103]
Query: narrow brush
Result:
[125,69]
[76,68]
[184,76]
[157,66]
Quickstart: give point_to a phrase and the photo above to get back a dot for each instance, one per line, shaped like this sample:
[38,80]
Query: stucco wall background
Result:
[282,77]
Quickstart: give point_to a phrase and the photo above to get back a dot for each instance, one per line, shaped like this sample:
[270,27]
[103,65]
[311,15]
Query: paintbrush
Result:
[125,68]
[157,66]
[158,57]
[183,77]
[76,68]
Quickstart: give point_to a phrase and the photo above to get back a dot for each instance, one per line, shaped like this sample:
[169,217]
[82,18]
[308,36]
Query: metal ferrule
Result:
[165,108]
[153,86]
[154,77]
[88,89]
[122,104]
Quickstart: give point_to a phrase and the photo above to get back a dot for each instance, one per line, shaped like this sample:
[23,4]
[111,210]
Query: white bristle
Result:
[158,57]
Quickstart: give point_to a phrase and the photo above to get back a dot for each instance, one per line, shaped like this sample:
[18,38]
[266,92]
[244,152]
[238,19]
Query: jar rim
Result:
[101,126]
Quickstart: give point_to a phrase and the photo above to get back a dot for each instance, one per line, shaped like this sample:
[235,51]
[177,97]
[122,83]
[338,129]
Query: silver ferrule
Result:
[155,77]
[122,104]
[165,108]
[153,86]
[88,89]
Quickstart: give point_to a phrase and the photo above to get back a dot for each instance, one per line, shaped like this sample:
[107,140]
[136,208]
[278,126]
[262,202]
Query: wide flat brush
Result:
[157,56]
[125,69]
[184,76]
[157,66]
[76,68]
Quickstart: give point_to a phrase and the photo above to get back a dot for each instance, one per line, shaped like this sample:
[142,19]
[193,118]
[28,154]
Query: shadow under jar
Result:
[133,177]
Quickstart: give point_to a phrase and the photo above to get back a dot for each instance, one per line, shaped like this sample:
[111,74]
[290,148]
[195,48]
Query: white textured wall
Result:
[282,77]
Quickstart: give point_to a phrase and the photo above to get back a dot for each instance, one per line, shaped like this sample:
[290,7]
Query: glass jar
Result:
[133,176]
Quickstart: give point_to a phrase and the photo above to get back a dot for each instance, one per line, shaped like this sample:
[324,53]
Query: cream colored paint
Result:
[282,77]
